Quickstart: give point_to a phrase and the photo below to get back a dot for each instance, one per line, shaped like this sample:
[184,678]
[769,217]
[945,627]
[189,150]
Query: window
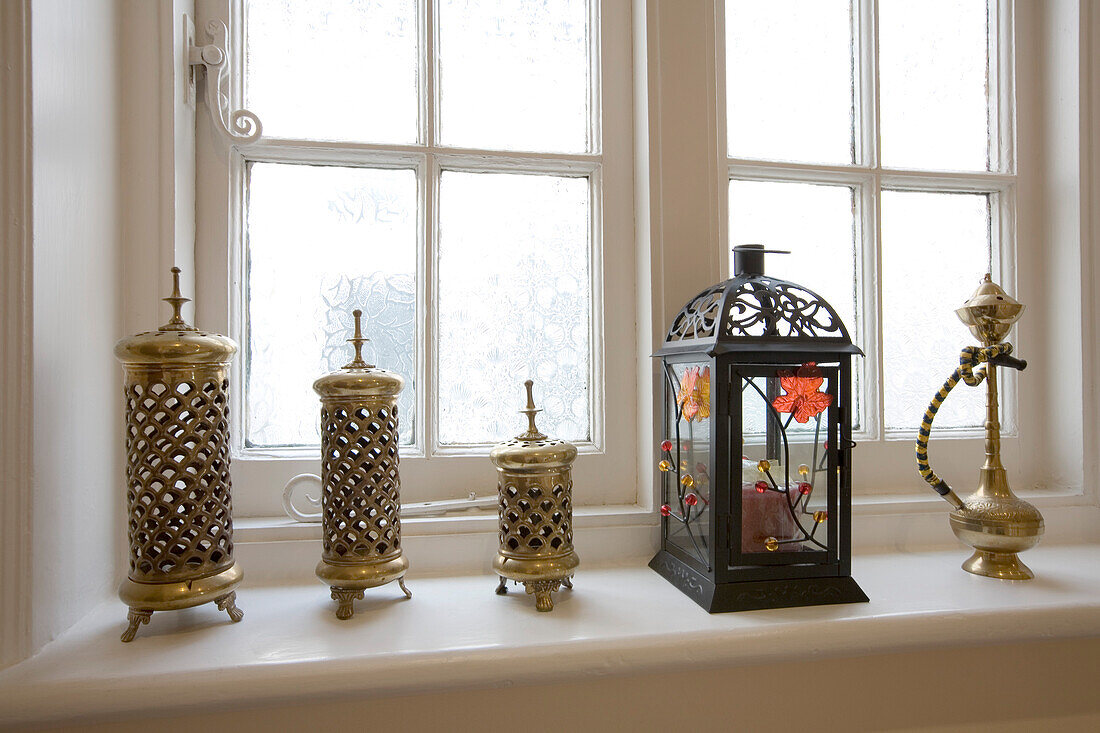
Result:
[441,165]
[873,139]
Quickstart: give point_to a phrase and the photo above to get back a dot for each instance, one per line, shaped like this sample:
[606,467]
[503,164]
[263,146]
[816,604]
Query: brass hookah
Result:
[992,520]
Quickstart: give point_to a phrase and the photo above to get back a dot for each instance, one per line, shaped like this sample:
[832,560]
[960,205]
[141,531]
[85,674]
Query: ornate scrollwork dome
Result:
[753,311]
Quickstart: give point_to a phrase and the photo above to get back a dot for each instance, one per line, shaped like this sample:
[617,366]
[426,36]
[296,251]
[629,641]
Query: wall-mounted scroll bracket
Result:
[239,126]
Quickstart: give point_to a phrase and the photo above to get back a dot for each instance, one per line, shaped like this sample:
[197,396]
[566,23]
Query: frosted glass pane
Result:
[933,61]
[789,80]
[817,225]
[333,69]
[323,241]
[514,74]
[935,249]
[514,304]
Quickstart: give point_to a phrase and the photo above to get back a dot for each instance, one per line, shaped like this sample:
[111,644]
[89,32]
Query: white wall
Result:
[77,521]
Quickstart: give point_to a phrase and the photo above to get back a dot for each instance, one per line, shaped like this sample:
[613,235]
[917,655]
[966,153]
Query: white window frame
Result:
[868,177]
[430,471]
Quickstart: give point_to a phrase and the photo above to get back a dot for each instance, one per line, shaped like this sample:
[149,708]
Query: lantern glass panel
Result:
[687,480]
[787,472]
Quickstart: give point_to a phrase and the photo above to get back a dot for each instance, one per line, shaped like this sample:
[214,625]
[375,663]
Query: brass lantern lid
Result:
[990,312]
[357,378]
[176,342]
[532,449]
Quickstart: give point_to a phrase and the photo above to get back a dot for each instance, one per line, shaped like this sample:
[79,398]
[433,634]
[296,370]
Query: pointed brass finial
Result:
[357,341]
[532,431]
[176,300]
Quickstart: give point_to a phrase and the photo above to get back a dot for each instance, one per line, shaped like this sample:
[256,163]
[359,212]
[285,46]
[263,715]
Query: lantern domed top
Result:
[752,311]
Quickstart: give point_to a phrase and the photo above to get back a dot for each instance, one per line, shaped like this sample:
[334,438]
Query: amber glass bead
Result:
[820,516]
[772,544]
[763,466]
[687,480]
[664,466]
[803,470]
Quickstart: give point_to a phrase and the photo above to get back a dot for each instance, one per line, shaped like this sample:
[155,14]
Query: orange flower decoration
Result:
[803,397]
[694,395]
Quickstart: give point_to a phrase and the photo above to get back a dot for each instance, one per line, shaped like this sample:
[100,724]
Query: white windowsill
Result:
[456,633]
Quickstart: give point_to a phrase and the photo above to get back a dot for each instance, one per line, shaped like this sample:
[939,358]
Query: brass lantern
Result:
[360,498]
[177,472]
[536,511]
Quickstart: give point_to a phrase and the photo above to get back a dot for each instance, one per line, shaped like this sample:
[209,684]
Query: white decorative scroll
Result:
[411,509]
[240,126]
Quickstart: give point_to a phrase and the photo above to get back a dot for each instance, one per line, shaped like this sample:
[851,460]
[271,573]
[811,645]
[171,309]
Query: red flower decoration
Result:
[665,510]
[804,488]
[666,445]
[802,396]
[761,486]
[691,499]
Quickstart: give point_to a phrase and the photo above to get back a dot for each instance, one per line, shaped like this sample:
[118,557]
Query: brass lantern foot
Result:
[145,598]
[344,598]
[1002,565]
[228,603]
[136,617]
[542,590]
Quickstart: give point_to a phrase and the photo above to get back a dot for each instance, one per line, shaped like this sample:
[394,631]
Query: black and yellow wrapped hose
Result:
[969,358]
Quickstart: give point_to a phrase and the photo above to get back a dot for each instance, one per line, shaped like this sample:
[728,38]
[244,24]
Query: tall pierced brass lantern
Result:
[177,470]
[536,511]
[360,498]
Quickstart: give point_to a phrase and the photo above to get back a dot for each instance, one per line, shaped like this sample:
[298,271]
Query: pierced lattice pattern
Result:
[698,318]
[177,475]
[360,502]
[537,516]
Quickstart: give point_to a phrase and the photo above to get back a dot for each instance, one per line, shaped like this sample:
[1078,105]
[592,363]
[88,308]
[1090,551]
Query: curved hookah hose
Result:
[969,358]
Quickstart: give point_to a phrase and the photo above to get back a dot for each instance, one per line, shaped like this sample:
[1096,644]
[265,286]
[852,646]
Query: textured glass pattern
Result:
[688,526]
[815,223]
[514,74]
[322,241]
[515,303]
[933,70]
[935,249]
[333,69]
[789,80]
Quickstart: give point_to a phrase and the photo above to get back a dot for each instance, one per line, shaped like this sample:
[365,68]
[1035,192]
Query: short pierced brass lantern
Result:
[360,497]
[177,472]
[755,458]
[536,511]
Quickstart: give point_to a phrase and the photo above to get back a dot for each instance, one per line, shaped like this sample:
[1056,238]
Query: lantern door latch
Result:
[239,126]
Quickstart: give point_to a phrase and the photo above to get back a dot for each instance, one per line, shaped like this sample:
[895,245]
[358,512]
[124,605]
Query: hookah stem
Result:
[992,420]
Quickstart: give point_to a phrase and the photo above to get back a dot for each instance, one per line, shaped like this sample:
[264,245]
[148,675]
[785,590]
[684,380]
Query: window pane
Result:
[515,303]
[789,80]
[933,61]
[323,241]
[816,223]
[333,69]
[935,249]
[514,74]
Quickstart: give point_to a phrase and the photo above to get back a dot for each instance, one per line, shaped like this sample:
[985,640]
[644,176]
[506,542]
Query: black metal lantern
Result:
[756,460]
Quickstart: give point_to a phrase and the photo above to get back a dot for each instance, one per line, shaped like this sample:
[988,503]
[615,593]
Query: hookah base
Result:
[1001,565]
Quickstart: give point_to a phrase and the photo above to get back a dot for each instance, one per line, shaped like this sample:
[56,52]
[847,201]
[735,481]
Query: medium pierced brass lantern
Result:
[536,511]
[360,497]
[177,472]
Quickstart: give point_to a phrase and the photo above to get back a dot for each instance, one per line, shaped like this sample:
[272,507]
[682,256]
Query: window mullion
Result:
[873,315]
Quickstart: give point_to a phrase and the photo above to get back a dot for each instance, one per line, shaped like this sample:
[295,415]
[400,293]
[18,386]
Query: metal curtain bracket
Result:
[239,126]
